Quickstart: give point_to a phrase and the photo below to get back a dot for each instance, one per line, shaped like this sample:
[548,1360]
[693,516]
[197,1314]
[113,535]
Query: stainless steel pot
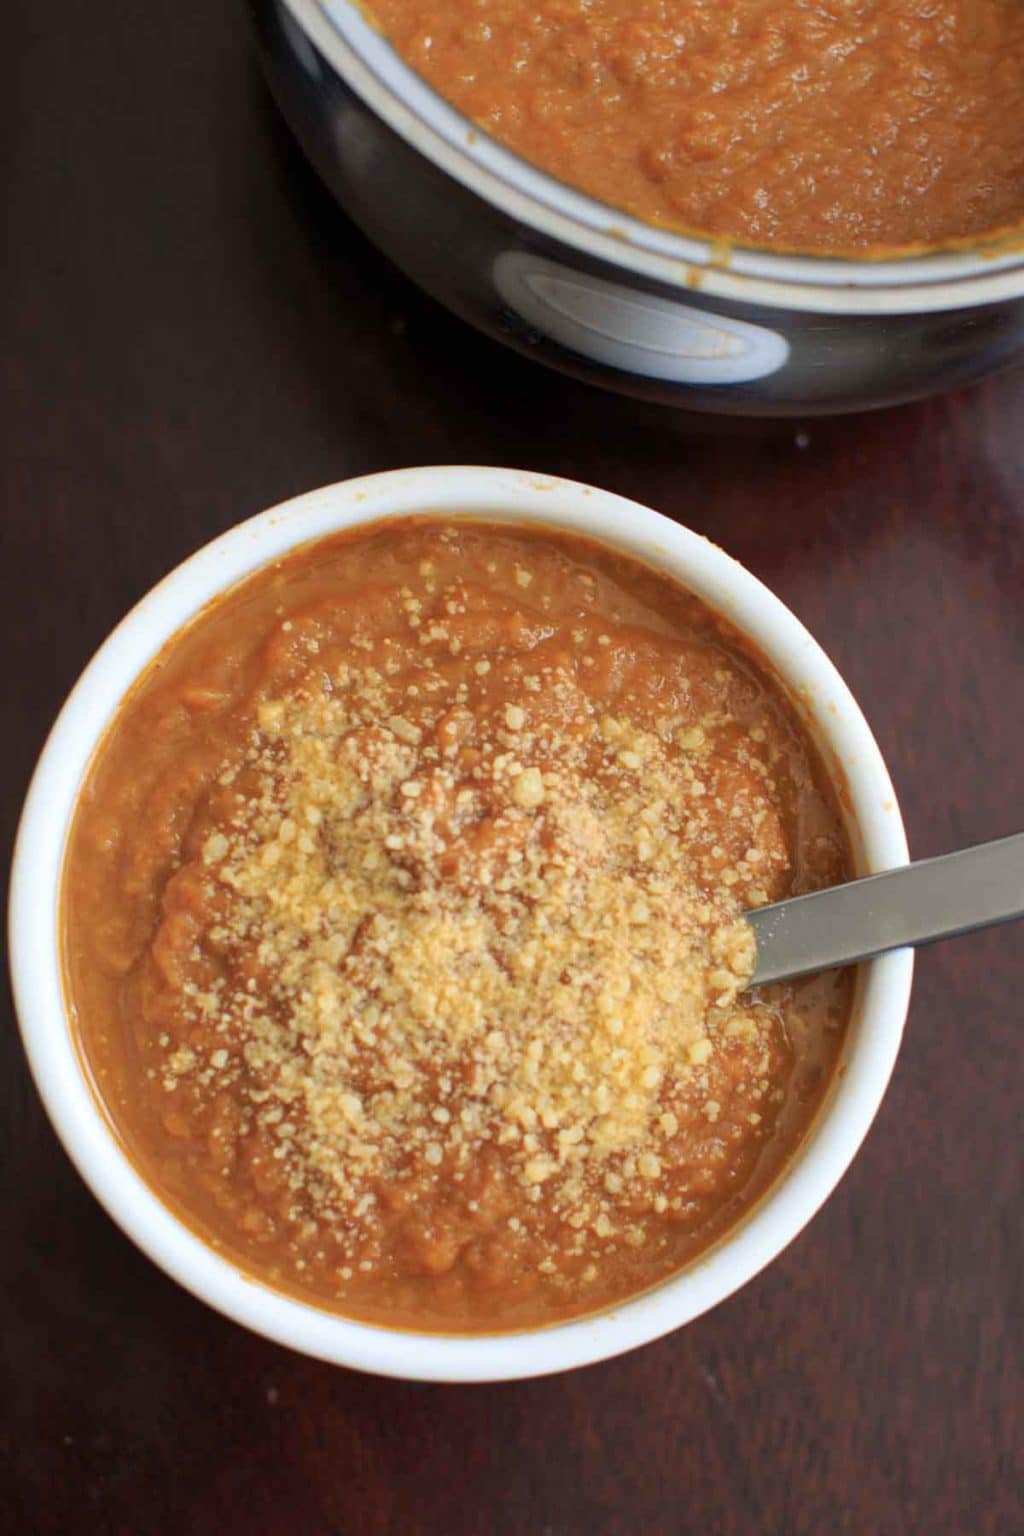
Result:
[601,296]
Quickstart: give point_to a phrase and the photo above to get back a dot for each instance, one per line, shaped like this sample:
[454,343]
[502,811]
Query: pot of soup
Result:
[764,208]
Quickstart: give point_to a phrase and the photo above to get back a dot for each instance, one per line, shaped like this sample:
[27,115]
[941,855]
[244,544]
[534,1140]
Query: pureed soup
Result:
[845,125]
[402,925]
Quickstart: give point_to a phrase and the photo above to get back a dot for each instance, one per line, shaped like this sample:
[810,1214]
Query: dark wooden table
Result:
[191,332]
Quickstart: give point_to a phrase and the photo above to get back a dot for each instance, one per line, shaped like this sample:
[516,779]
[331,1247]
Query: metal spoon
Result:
[932,899]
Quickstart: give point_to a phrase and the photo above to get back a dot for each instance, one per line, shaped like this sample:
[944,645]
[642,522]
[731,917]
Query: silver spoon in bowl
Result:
[915,904]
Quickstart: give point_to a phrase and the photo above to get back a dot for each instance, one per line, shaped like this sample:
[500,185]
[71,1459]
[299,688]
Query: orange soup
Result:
[849,125]
[403,925]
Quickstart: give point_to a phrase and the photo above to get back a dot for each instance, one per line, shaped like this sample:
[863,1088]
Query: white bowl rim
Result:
[497,494]
[939,280]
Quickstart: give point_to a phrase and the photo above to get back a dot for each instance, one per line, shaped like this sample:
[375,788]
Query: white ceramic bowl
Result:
[508,495]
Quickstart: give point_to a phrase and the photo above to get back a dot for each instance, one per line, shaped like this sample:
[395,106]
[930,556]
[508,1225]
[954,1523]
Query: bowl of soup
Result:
[377,924]
[762,208]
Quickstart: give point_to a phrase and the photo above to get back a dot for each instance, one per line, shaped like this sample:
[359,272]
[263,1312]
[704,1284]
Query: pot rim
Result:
[364,59]
[61,1076]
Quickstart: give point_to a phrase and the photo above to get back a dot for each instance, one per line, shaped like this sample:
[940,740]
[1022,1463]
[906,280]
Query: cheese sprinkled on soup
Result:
[404,926]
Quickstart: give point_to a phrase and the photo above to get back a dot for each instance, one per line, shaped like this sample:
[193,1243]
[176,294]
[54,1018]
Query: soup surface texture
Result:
[402,925]
[805,124]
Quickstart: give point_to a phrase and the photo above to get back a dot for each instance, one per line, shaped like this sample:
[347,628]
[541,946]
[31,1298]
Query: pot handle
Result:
[634,331]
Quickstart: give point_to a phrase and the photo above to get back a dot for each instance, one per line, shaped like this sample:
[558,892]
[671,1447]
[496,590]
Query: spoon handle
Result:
[932,899]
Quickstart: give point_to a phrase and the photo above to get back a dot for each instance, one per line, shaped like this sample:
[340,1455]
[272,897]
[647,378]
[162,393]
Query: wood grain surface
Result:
[190,332]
